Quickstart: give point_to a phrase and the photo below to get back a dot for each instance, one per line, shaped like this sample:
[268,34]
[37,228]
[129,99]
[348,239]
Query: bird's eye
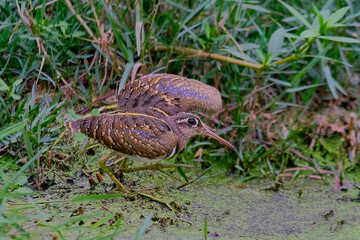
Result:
[192,122]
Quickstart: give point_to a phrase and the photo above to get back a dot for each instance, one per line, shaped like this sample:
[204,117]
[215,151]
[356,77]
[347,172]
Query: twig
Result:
[299,155]
[87,108]
[87,29]
[40,202]
[170,175]
[221,24]
[155,199]
[46,4]
[200,53]
[291,175]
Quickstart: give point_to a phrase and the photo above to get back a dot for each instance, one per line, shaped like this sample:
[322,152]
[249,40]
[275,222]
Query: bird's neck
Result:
[183,137]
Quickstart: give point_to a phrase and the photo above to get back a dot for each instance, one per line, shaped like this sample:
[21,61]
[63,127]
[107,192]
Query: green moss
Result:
[231,213]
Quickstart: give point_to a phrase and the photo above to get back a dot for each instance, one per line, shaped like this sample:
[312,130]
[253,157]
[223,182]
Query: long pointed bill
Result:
[213,135]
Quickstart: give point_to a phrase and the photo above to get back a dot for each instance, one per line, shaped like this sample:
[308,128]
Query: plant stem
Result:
[200,53]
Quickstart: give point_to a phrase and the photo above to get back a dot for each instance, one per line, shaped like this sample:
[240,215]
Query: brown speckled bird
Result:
[155,119]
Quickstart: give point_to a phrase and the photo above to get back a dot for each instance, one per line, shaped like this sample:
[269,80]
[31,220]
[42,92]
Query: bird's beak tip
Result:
[213,135]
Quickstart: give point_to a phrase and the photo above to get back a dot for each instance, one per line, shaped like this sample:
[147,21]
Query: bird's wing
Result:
[169,93]
[131,133]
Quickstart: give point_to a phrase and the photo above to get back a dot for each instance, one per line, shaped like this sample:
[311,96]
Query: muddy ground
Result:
[309,209]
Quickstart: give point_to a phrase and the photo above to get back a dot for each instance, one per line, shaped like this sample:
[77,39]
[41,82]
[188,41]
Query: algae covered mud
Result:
[222,211]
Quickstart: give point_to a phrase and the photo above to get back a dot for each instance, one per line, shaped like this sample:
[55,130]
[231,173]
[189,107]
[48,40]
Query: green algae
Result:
[231,213]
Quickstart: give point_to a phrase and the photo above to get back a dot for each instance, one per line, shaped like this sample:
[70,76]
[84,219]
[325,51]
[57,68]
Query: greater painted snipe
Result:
[154,120]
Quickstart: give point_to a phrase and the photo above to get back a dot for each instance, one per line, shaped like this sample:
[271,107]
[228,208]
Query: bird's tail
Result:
[72,126]
[85,125]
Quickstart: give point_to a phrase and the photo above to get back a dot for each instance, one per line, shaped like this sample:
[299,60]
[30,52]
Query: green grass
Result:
[290,105]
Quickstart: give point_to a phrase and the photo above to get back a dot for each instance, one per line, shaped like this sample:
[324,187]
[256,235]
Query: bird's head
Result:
[186,125]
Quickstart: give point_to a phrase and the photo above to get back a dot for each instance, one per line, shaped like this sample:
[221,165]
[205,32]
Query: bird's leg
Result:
[170,175]
[119,185]
[123,164]
[102,164]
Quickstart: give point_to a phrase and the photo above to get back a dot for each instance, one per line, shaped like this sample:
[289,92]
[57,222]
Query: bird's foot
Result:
[119,185]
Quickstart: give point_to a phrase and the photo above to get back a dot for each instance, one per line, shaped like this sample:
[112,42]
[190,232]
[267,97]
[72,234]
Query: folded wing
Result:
[131,133]
[169,93]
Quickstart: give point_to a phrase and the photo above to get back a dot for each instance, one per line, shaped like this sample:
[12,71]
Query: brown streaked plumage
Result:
[170,93]
[132,133]
[144,134]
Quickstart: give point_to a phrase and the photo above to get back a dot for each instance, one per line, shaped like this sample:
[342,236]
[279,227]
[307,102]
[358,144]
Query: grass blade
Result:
[143,228]
[340,39]
[296,14]
[205,229]
[12,129]
[96,197]
[193,13]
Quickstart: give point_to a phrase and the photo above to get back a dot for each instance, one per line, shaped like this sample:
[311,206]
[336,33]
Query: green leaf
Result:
[96,197]
[207,29]
[102,220]
[340,39]
[79,136]
[125,51]
[78,34]
[260,55]
[3,85]
[183,174]
[56,99]
[63,26]
[20,192]
[244,179]
[128,68]
[46,122]
[277,81]
[332,83]
[12,129]
[73,114]
[275,43]
[318,21]
[28,145]
[235,52]
[309,34]
[21,180]
[95,112]
[336,16]
[15,96]
[296,14]
[290,35]
[18,82]
[271,167]
[298,89]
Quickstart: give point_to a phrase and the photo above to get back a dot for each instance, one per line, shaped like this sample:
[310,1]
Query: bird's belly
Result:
[148,160]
